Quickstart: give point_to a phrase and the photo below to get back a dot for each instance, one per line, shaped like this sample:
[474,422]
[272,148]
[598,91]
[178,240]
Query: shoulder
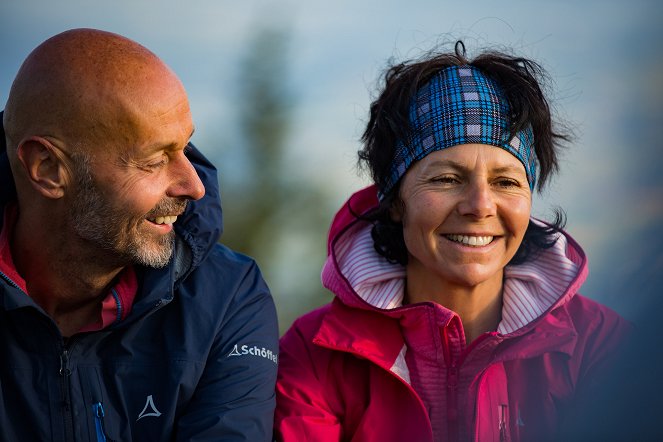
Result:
[230,261]
[229,286]
[227,271]
[602,335]
[591,317]
[310,322]
[300,347]
[303,329]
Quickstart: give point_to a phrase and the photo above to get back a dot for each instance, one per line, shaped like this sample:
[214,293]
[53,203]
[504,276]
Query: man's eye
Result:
[154,165]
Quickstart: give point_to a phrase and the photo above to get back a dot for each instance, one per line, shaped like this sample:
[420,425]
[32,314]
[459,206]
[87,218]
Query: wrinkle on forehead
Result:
[86,85]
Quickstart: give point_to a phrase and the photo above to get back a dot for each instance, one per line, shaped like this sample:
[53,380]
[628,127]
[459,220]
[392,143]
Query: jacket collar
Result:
[377,336]
[551,331]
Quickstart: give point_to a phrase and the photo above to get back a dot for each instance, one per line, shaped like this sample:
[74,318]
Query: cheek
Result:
[422,212]
[137,196]
[421,219]
[519,212]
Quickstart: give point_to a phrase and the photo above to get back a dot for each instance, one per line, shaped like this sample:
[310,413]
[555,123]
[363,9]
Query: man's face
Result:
[127,197]
[117,230]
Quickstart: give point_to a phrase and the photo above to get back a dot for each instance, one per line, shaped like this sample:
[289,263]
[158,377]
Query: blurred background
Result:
[280,93]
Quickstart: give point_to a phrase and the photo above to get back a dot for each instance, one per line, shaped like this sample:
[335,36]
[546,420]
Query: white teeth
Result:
[168,219]
[475,241]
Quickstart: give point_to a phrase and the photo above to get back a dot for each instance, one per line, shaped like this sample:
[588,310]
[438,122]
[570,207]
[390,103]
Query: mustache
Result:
[169,206]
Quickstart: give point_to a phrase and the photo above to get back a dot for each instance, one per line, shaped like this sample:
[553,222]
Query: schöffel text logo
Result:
[243,350]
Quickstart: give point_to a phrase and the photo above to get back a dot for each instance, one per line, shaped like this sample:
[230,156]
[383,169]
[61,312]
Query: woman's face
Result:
[464,211]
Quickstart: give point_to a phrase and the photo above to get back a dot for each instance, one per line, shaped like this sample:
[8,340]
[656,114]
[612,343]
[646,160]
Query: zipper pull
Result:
[64,363]
[98,411]
[502,422]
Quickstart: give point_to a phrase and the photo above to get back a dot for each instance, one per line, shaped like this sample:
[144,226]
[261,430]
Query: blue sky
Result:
[605,58]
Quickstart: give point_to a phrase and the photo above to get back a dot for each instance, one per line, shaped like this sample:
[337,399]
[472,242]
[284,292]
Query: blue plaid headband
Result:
[459,105]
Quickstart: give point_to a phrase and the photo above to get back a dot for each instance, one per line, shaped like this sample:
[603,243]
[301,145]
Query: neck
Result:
[479,307]
[64,280]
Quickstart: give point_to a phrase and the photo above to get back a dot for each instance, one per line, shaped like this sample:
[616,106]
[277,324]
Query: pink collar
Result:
[115,306]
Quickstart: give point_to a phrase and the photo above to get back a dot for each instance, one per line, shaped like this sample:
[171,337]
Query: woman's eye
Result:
[446,179]
[508,182]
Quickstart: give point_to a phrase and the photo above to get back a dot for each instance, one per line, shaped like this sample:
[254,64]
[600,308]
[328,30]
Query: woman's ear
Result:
[43,166]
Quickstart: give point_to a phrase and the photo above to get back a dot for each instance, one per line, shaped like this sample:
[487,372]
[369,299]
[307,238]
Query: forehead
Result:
[471,157]
[130,100]
[138,125]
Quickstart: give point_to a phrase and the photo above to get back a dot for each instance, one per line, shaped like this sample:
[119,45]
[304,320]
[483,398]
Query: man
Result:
[121,318]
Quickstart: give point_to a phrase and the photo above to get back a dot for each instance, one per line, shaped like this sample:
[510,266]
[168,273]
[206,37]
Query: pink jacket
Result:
[367,368]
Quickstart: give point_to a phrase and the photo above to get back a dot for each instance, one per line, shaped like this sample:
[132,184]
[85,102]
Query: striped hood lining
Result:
[530,289]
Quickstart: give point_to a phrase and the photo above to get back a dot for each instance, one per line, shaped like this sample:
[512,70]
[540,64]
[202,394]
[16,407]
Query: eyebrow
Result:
[170,146]
[517,169]
[464,168]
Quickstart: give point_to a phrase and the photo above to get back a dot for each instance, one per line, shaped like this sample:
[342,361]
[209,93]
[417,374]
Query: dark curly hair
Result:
[520,79]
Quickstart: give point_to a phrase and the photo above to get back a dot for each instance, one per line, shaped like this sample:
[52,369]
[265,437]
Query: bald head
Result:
[85,87]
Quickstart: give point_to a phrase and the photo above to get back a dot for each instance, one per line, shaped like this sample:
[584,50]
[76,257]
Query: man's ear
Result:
[43,165]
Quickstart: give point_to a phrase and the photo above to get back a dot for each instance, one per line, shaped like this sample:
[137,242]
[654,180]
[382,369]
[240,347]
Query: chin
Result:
[156,255]
[474,277]
[153,260]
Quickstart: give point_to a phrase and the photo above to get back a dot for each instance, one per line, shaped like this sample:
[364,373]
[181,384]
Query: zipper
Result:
[98,411]
[452,388]
[67,412]
[10,282]
[452,397]
[118,305]
[64,373]
[501,425]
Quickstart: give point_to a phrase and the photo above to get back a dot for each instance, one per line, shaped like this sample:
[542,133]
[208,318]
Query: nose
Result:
[185,182]
[477,200]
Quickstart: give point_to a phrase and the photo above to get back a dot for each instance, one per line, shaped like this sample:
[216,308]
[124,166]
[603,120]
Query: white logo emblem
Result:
[149,409]
[235,352]
[262,352]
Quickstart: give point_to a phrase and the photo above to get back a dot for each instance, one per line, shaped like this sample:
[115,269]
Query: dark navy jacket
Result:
[195,360]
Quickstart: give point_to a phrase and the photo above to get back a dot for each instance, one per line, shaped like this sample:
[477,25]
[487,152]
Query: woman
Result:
[456,315]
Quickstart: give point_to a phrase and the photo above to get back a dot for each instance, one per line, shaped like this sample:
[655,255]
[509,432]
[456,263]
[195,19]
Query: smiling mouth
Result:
[472,241]
[168,219]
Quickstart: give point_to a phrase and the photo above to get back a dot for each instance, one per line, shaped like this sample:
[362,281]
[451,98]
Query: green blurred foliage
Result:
[270,212]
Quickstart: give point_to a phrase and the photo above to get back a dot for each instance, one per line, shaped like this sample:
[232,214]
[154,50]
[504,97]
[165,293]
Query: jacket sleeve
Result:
[302,413]
[234,399]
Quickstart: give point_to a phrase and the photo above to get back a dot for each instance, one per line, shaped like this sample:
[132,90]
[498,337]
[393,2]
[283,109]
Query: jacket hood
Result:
[201,225]
[360,278]
[198,229]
